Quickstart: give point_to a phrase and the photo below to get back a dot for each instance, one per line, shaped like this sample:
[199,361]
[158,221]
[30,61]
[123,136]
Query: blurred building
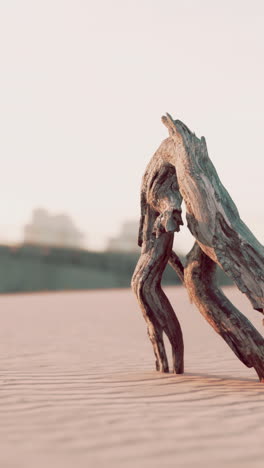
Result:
[127,240]
[54,230]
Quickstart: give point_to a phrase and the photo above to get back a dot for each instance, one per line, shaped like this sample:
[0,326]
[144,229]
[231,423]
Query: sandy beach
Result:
[78,387]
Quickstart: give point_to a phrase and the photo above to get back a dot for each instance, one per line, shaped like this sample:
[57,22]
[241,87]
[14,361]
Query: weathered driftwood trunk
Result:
[181,168]
[234,327]
[160,217]
[212,216]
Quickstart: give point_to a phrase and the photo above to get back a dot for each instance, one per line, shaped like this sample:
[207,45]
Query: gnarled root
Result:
[155,306]
[242,337]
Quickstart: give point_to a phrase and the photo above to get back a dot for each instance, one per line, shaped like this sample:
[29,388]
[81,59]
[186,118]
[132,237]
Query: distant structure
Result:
[54,230]
[127,239]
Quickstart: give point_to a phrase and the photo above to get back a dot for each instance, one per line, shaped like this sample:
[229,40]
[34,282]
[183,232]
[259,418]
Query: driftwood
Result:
[160,217]
[182,169]
[223,316]
[212,216]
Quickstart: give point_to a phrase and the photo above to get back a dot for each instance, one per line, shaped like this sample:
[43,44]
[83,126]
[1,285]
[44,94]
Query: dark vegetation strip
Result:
[38,268]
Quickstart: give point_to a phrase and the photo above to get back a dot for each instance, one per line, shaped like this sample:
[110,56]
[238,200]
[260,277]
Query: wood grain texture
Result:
[182,170]
[213,217]
[238,332]
[160,217]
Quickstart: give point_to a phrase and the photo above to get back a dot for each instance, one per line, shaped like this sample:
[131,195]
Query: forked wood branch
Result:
[181,169]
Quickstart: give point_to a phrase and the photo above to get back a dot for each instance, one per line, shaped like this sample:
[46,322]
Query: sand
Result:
[78,387]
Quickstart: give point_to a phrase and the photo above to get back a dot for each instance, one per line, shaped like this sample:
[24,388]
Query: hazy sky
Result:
[84,84]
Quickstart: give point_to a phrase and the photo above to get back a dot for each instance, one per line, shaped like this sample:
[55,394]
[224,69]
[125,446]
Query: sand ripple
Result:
[78,388]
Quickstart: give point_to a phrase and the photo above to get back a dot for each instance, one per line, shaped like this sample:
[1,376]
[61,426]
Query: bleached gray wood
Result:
[212,216]
[238,332]
[181,169]
[160,217]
